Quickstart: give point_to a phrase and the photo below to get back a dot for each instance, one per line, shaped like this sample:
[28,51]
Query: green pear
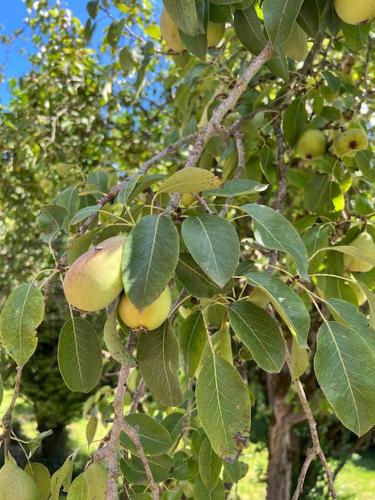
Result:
[169,31]
[16,484]
[355,11]
[94,279]
[349,142]
[215,32]
[296,44]
[312,144]
[365,243]
[149,318]
[187,199]
[171,35]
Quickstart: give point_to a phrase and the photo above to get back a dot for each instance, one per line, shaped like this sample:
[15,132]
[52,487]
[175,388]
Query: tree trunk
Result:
[279,473]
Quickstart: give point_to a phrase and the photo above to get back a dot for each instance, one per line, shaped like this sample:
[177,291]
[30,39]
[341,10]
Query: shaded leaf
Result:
[259,333]
[50,221]
[154,437]
[213,244]
[149,259]
[192,337]
[223,405]
[209,465]
[79,355]
[273,230]
[341,354]
[196,282]
[115,342]
[279,17]
[287,303]
[158,359]
[22,313]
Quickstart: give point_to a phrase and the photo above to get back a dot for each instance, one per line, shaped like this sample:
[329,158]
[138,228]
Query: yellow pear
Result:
[349,142]
[355,11]
[94,279]
[215,32]
[149,318]
[169,31]
[296,45]
[171,35]
[16,484]
[311,144]
[187,199]
[365,243]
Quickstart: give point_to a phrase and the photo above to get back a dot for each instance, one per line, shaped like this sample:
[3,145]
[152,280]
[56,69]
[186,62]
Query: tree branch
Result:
[133,435]
[317,449]
[214,126]
[8,416]
[311,454]
[279,202]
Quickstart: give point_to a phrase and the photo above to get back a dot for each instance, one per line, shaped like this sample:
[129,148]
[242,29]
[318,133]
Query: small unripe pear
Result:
[215,32]
[355,11]
[94,279]
[16,484]
[187,199]
[349,142]
[296,44]
[149,318]
[311,144]
[169,31]
[365,243]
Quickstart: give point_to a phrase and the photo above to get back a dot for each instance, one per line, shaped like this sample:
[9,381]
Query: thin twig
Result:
[312,426]
[238,137]
[279,202]
[214,125]
[137,396]
[8,416]
[310,456]
[133,435]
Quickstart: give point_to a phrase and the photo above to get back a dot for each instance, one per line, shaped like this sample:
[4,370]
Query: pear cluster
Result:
[313,143]
[94,281]
[171,35]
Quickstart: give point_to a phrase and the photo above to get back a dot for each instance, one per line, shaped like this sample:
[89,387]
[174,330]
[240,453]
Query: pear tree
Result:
[214,242]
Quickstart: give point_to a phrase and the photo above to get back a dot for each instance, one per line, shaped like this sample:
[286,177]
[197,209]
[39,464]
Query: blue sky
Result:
[12,62]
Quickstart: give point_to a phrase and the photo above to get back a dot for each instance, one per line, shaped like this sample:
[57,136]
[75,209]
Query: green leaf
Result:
[361,254]
[299,360]
[309,17]
[249,30]
[134,471]
[155,438]
[190,180]
[273,230]
[62,477]
[150,259]
[158,359]
[1,389]
[209,465]
[294,121]
[69,199]
[50,221]
[202,493]
[91,428]
[127,189]
[187,14]
[223,405]
[259,333]
[196,45]
[42,478]
[78,489]
[22,313]
[322,195]
[84,213]
[96,477]
[356,36]
[287,303]
[192,337]
[365,161]
[341,355]
[279,17]
[196,282]
[346,313]
[115,342]
[80,245]
[213,244]
[79,355]
[93,8]
[371,303]
[237,187]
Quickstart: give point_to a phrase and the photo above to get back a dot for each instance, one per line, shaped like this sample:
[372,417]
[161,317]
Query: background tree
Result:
[269,255]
